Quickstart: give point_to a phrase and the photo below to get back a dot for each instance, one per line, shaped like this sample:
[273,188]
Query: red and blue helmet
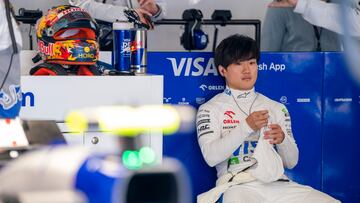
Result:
[68,35]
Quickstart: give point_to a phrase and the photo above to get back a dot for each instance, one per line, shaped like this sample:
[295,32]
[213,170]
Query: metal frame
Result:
[256,23]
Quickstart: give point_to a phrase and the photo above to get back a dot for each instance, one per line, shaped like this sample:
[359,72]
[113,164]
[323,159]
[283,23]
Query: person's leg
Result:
[291,192]
[243,194]
[317,196]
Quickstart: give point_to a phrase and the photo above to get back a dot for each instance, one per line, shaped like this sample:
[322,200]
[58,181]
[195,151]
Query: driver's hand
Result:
[149,5]
[145,17]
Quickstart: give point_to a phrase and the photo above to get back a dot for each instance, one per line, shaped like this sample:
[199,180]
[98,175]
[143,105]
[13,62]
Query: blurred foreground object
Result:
[130,121]
[352,44]
[82,176]
[12,134]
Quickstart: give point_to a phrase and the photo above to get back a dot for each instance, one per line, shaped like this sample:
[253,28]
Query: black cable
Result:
[318,31]
[134,17]
[215,38]
[15,50]
[30,38]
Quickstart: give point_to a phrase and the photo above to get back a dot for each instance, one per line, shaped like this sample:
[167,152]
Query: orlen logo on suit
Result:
[230,114]
[193,66]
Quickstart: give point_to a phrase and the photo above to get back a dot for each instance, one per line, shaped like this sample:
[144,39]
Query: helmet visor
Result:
[75,33]
[76,19]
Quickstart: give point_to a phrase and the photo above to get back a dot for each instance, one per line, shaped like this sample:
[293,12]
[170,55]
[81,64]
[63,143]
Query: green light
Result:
[131,160]
[147,155]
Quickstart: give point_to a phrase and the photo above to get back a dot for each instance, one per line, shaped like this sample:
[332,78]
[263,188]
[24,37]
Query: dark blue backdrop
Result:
[294,79]
[341,131]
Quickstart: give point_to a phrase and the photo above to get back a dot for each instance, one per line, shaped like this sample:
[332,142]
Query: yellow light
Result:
[163,118]
[127,121]
[119,120]
[77,122]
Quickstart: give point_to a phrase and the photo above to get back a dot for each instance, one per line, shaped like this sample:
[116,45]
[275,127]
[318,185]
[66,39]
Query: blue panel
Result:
[294,79]
[95,184]
[191,78]
[10,103]
[341,131]
[187,76]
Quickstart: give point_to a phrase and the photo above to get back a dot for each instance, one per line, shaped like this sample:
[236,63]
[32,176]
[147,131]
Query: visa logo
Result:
[193,66]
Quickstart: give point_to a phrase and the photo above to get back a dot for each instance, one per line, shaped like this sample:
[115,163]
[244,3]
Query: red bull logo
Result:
[135,45]
[47,50]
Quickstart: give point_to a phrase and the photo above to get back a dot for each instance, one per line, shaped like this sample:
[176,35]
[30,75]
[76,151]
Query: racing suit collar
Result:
[242,95]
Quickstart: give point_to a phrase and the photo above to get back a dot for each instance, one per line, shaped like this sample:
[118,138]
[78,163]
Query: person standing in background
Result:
[284,30]
[112,10]
[326,15]
[10,46]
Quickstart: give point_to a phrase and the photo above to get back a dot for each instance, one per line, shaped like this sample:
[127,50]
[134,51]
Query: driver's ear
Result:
[222,70]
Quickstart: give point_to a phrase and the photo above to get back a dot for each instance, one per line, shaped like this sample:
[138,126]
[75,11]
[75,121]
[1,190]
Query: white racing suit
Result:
[113,9]
[328,15]
[227,142]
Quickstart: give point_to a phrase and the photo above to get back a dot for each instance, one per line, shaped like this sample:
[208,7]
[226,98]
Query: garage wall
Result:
[169,35]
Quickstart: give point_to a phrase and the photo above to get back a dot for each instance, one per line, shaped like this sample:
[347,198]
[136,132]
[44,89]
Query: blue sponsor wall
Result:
[295,80]
[341,131]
